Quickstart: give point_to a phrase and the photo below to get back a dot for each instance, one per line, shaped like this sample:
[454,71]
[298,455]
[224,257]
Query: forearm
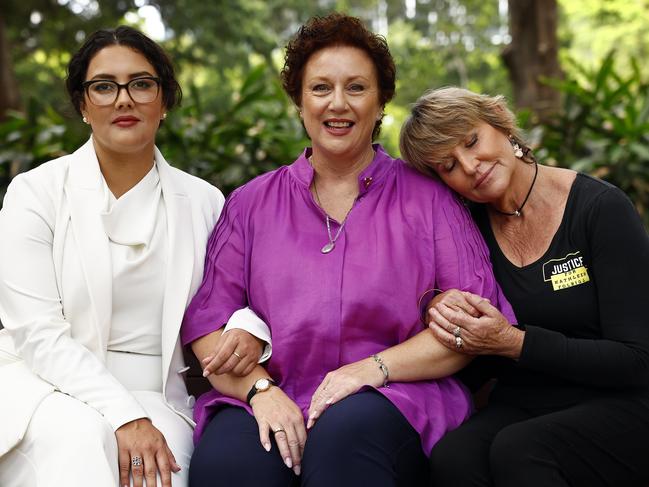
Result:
[227,384]
[422,357]
[597,362]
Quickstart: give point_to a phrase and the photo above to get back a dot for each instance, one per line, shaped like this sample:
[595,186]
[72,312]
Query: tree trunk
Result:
[532,55]
[9,94]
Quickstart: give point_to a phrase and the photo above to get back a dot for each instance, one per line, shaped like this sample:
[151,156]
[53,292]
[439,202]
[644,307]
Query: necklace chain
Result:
[329,246]
[519,211]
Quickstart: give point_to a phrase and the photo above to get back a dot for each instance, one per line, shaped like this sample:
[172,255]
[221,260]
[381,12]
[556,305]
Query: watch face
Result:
[262,384]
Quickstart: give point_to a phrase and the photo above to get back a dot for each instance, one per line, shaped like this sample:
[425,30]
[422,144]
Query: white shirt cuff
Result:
[246,319]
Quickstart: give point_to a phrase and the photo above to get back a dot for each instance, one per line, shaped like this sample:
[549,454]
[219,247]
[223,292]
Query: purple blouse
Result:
[406,233]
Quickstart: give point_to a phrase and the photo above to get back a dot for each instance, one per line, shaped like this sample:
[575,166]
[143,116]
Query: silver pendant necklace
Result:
[331,244]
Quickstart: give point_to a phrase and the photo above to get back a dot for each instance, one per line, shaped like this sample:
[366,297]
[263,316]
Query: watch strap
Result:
[253,390]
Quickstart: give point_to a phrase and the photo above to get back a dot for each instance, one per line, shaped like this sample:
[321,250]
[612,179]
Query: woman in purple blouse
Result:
[332,252]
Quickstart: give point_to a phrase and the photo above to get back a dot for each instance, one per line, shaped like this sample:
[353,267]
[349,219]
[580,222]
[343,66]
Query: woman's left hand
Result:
[488,334]
[341,383]
[236,351]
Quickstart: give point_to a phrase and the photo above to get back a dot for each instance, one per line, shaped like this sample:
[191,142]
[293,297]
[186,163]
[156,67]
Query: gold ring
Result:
[278,430]
[236,355]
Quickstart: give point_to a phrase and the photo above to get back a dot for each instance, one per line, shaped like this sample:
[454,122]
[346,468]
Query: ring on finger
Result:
[456,332]
[458,342]
[236,355]
[279,430]
[136,461]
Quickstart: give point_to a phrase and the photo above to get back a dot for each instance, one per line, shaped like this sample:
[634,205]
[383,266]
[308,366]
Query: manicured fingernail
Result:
[329,401]
[297,470]
[288,462]
[267,446]
[206,372]
[206,359]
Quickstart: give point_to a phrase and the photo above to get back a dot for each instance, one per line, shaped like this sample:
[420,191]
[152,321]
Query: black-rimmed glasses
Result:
[102,92]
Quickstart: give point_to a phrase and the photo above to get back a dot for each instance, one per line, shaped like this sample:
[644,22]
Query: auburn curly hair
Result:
[337,29]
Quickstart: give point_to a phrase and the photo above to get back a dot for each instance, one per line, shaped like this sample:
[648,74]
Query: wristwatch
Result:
[260,385]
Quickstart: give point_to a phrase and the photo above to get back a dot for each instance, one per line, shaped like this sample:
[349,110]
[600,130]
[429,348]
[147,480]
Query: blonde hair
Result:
[441,119]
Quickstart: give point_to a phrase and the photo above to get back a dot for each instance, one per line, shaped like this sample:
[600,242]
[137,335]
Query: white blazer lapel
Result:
[85,195]
[180,261]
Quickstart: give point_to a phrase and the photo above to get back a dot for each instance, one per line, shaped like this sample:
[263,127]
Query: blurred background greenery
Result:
[570,68]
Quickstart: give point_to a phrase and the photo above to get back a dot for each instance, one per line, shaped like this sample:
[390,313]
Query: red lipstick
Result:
[125,121]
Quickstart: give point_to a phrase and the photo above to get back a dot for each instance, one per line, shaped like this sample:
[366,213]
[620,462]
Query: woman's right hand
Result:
[140,439]
[275,412]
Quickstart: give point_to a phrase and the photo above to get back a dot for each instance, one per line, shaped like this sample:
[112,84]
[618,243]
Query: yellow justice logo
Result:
[566,272]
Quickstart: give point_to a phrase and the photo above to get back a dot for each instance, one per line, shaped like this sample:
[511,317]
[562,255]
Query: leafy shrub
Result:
[603,128]
[257,132]
[33,137]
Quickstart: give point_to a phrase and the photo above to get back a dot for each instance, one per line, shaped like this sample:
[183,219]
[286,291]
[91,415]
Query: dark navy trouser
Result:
[361,441]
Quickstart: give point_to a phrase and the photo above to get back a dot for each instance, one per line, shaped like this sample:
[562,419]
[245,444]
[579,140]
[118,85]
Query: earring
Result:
[518,152]
[164,116]
[85,120]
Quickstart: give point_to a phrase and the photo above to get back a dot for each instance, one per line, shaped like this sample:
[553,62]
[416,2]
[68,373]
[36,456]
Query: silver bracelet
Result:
[384,369]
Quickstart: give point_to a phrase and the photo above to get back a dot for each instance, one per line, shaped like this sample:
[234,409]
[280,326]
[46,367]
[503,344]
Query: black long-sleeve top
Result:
[584,304]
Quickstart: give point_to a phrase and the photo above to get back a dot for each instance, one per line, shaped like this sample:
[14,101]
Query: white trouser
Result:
[70,444]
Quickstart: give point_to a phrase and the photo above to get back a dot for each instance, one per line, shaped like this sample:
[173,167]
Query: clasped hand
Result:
[480,327]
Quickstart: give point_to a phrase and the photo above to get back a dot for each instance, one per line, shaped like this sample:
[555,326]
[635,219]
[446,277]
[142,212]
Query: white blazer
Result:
[56,286]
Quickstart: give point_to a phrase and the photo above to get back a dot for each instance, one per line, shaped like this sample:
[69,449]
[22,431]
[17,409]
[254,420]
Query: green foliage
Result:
[591,27]
[604,127]
[255,132]
[33,137]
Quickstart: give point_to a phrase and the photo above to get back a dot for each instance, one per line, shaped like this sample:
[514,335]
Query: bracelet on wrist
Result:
[423,303]
[383,368]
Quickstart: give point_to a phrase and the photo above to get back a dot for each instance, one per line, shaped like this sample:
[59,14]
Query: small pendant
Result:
[328,248]
[517,213]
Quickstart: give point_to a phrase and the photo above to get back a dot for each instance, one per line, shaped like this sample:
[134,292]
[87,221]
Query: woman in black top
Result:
[571,405]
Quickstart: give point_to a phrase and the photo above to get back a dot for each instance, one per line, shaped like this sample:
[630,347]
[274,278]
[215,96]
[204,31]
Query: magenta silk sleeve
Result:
[222,291]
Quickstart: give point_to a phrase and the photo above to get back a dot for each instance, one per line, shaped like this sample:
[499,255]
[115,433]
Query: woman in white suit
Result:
[100,252]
